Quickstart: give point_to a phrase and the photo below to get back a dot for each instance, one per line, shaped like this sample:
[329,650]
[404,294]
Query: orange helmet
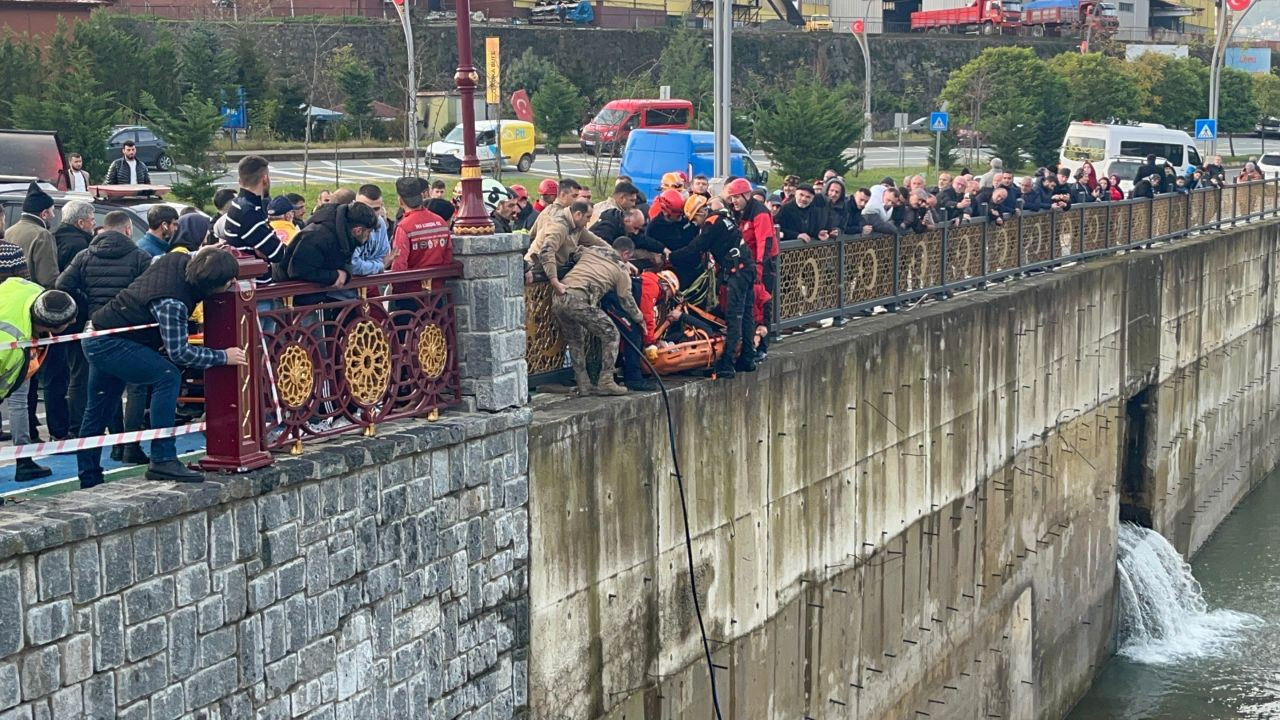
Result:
[673,181]
[671,201]
[670,279]
[693,205]
[739,186]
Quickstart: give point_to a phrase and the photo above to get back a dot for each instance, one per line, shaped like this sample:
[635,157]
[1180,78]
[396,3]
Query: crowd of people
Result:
[641,275]
[146,295]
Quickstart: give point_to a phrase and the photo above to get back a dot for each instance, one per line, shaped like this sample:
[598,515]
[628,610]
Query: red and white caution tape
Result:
[68,446]
[74,336]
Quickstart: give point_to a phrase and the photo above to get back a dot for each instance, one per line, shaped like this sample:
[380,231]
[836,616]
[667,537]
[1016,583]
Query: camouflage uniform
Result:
[579,319]
[598,271]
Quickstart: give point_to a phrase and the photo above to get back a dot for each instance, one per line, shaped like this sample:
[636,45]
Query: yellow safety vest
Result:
[16,298]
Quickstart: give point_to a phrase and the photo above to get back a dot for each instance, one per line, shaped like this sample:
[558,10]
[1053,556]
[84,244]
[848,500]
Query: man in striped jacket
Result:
[247,227]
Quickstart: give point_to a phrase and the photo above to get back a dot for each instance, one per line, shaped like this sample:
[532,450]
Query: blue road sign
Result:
[939,121]
[1206,129]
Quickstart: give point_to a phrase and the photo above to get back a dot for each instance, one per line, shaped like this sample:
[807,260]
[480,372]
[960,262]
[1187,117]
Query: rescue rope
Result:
[684,510]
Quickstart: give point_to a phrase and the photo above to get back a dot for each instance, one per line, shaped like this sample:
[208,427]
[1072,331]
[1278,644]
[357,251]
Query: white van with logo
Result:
[1097,143]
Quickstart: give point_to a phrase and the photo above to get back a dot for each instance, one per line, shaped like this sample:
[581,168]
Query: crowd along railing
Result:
[850,275]
[324,361]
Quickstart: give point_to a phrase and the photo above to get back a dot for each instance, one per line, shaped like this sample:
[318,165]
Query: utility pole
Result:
[722,101]
[1226,30]
[411,104]
[859,28]
[472,219]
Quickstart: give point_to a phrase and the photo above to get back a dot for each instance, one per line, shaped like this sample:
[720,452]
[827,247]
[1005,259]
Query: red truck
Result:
[988,17]
[1051,17]
[1010,17]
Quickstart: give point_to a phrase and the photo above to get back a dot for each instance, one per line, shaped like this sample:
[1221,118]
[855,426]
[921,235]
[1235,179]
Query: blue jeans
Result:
[113,362]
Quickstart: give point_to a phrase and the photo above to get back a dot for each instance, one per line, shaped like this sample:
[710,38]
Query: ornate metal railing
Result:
[324,361]
[852,274]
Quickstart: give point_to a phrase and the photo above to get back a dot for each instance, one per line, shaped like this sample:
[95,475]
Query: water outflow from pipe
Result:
[1163,613]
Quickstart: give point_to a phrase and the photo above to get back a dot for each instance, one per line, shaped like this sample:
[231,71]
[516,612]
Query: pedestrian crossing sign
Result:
[1206,129]
[939,121]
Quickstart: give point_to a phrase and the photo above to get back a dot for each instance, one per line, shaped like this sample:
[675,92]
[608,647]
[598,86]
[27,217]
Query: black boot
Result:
[117,452]
[723,369]
[27,470]
[173,471]
[745,363]
[642,384]
[133,455]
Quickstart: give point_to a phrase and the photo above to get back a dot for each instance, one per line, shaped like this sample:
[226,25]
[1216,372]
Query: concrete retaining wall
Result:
[378,578]
[913,514]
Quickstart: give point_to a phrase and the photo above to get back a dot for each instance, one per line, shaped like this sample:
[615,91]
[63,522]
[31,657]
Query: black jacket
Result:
[675,235]
[721,237]
[609,227]
[70,241]
[166,278]
[500,224]
[792,220]
[118,173]
[321,249]
[97,274]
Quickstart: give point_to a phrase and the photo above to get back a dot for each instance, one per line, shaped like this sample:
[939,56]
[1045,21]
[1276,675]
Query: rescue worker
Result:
[672,228]
[659,293]
[596,271]
[552,252]
[735,267]
[27,311]
[755,223]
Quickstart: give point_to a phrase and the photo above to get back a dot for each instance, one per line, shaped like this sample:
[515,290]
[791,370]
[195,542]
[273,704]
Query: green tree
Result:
[683,65]
[290,121]
[1266,92]
[20,67]
[526,72]
[69,105]
[557,110]
[1100,87]
[1237,109]
[809,127]
[190,131]
[945,157]
[1012,99]
[355,80]
[204,67]
[251,75]
[1175,90]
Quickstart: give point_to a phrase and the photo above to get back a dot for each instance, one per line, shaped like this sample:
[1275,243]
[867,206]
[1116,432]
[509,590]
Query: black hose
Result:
[684,510]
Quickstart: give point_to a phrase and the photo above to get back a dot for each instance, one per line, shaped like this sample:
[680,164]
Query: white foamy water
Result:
[1163,614]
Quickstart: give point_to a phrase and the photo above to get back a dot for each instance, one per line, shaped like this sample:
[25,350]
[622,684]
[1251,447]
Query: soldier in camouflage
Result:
[576,309]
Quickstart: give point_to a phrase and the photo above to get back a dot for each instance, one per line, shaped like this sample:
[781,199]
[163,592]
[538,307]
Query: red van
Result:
[608,131]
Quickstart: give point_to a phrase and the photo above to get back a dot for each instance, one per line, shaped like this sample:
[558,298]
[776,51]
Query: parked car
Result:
[818,23]
[1269,165]
[652,153]
[12,195]
[611,127]
[152,149]
[1269,126]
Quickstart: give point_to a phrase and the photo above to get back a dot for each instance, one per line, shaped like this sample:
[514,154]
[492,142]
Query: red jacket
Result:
[422,240]
[648,302]
[756,225]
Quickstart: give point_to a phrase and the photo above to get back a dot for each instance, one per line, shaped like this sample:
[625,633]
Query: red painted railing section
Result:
[325,361]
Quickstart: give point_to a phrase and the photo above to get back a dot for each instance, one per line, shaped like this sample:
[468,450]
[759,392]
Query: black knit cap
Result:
[37,200]
[53,308]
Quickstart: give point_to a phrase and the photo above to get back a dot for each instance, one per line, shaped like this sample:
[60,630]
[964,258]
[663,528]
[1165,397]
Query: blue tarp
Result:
[583,14]
[1047,4]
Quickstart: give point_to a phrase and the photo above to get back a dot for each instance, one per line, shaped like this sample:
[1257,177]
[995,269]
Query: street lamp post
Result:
[1225,31]
[722,66]
[472,218]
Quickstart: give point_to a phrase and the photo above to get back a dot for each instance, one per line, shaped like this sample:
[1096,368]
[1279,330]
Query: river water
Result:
[1206,650]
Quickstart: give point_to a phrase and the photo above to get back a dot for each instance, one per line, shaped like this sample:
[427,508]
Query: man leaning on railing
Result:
[165,295]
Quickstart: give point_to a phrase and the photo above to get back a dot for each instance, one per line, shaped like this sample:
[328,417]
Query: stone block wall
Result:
[489,306]
[373,578]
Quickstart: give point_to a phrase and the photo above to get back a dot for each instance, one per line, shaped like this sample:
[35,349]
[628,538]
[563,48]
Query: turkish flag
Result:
[520,103]
[1239,5]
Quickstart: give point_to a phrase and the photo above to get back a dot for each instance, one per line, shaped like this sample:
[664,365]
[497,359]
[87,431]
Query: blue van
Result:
[650,154]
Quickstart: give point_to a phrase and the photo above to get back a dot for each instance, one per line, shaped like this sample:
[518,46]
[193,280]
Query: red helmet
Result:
[672,201]
[739,186]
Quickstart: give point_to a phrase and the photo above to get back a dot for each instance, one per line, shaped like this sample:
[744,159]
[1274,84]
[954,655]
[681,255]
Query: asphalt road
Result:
[354,172]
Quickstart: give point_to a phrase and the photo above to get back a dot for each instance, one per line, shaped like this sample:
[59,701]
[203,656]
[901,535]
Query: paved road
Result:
[386,170]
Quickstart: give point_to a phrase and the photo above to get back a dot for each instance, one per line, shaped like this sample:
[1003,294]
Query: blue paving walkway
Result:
[64,466]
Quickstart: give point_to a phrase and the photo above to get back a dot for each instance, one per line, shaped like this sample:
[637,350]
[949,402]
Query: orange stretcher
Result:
[698,351]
